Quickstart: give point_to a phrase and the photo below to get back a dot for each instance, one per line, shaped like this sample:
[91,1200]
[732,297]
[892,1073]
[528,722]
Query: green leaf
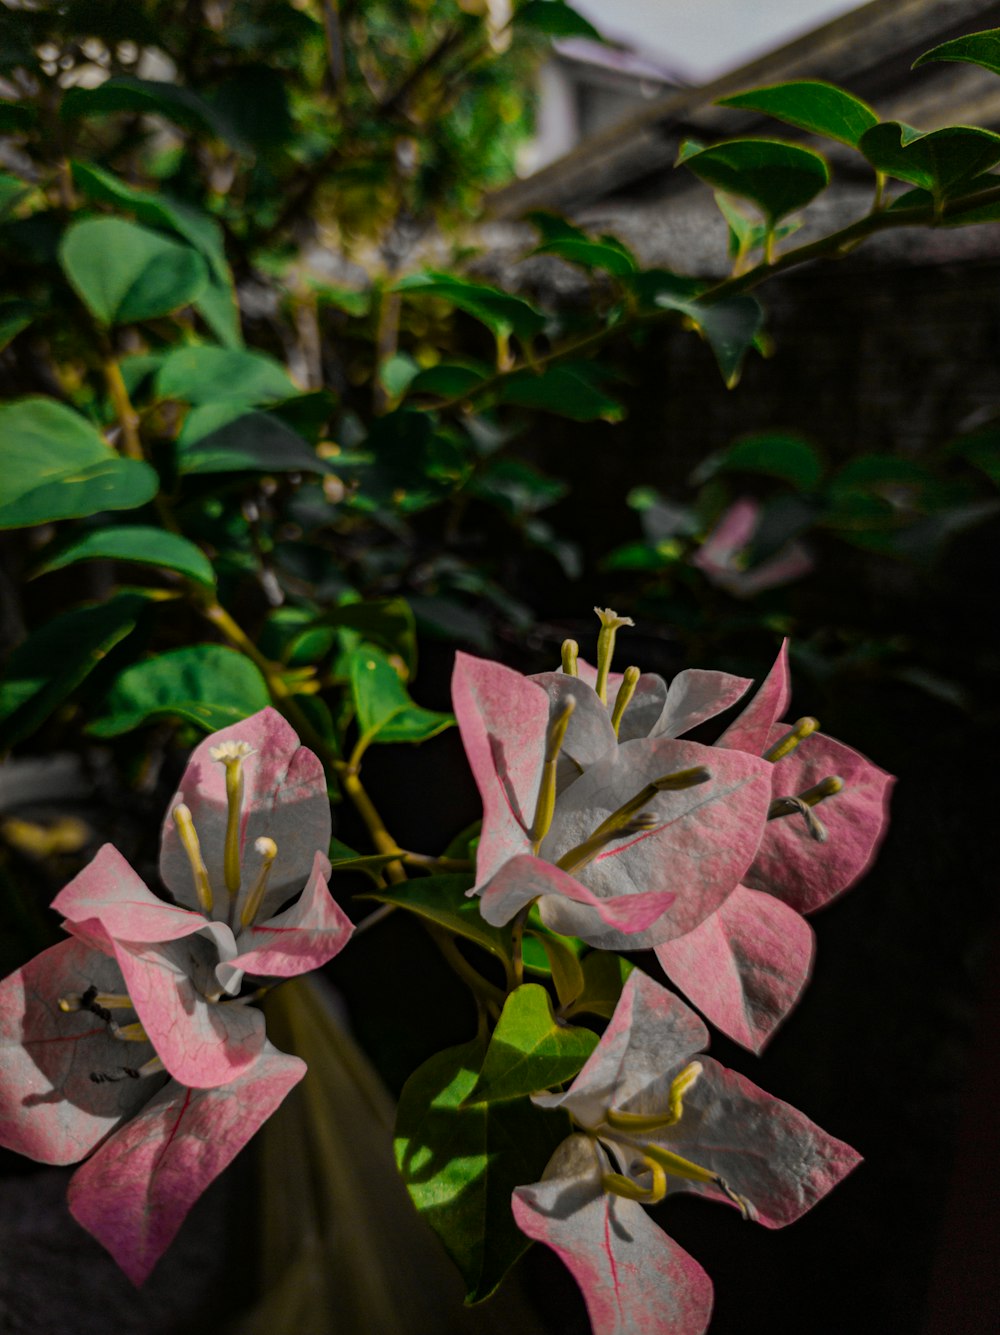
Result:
[443,900]
[56,466]
[146,545]
[562,957]
[604,976]
[556,19]
[499,311]
[612,257]
[14,316]
[229,438]
[387,621]
[146,97]
[942,161]
[461,1162]
[205,374]
[517,488]
[346,299]
[49,665]
[450,379]
[562,390]
[729,326]
[205,684]
[786,457]
[123,272]
[396,373]
[384,708]
[529,1050]
[778,177]
[810,104]
[372,865]
[976,48]
[12,191]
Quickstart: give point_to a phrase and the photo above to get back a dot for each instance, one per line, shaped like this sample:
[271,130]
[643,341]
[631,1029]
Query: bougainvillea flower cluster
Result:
[136,1042]
[656,1116]
[715,870]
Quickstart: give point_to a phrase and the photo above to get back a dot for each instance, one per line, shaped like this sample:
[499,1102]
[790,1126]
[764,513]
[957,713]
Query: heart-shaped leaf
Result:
[123,272]
[384,708]
[810,104]
[530,1050]
[461,1161]
[228,437]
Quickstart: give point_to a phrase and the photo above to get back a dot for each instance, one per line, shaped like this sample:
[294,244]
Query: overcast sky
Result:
[702,38]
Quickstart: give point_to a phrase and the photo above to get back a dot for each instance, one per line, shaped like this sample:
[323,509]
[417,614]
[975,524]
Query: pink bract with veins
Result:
[752,1150]
[642,889]
[129,1042]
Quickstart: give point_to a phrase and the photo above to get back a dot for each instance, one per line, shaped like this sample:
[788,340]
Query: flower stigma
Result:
[611,623]
[546,804]
[232,755]
[625,692]
[570,657]
[268,850]
[804,728]
[188,836]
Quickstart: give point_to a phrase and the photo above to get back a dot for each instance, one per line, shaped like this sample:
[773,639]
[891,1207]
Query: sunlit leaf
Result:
[529,1050]
[139,543]
[384,708]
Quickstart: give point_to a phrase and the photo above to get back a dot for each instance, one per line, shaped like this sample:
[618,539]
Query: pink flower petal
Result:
[652,1036]
[790,863]
[201,1044]
[50,1108]
[730,536]
[634,1279]
[134,1193]
[766,1150]
[503,719]
[745,966]
[706,839]
[751,730]
[109,891]
[285,799]
[304,937]
[525,878]
[696,695]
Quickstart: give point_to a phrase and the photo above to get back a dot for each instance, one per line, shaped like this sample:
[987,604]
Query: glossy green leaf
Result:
[205,374]
[556,19]
[443,900]
[217,302]
[56,466]
[384,708]
[205,684]
[146,97]
[145,545]
[499,311]
[729,326]
[562,390]
[229,438]
[461,1161]
[530,1051]
[604,976]
[975,48]
[14,316]
[778,177]
[372,864]
[49,665]
[942,161]
[613,258]
[789,458]
[396,373]
[123,272]
[809,104]
[12,191]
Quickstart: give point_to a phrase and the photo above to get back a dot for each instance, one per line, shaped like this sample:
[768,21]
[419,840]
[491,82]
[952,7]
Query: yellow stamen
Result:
[570,655]
[625,692]
[268,850]
[611,623]
[232,755]
[188,836]
[89,1000]
[787,744]
[666,783]
[827,787]
[676,1166]
[619,1185]
[636,1122]
[577,858]
[128,1033]
[546,804]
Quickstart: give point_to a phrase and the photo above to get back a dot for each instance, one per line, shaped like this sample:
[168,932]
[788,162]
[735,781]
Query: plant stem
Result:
[517,946]
[365,807]
[127,416]
[481,989]
[438,864]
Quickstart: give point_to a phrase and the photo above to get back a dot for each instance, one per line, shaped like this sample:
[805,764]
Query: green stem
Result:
[366,809]
[482,990]
[429,863]
[517,947]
